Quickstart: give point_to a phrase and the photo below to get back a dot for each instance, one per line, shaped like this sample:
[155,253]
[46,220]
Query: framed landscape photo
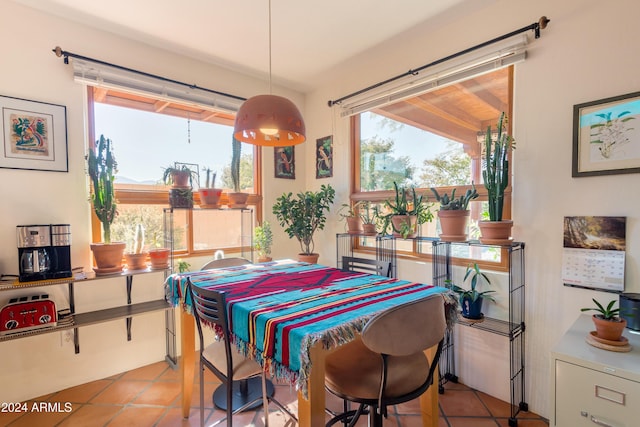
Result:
[34,135]
[284,159]
[606,136]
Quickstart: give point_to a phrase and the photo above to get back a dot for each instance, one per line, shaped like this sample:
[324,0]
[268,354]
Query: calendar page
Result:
[594,253]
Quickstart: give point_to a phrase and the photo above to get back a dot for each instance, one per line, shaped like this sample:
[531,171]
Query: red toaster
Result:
[27,313]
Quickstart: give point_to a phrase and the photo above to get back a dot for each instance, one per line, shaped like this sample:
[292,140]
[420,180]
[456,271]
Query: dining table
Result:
[288,315]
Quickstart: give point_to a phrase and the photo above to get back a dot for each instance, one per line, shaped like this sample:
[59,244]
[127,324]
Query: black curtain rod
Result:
[536,27]
[59,52]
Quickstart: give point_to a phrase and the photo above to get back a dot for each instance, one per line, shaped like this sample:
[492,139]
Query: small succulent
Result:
[451,203]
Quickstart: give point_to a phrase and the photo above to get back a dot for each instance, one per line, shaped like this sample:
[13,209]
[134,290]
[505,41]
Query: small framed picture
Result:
[606,136]
[34,135]
[284,159]
[324,157]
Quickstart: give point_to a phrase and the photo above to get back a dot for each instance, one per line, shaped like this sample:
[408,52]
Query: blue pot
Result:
[471,310]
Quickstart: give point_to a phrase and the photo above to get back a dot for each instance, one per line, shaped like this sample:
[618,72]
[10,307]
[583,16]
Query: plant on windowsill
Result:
[237,199]
[609,325]
[495,174]
[102,167]
[454,213]
[369,215]
[136,259]
[263,240]
[406,212]
[348,212]
[180,177]
[303,215]
[471,299]
[209,194]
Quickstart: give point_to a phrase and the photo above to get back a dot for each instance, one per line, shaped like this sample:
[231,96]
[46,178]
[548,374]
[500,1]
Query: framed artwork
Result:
[324,157]
[284,159]
[34,135]
[606,136]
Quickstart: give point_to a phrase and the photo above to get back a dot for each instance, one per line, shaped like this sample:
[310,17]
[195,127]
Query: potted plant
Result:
[180,177]
[209,194]
[352,219]
[102,167]
[406,212]
[237,199]
[495,174]
[183,266]
[369,216]
[609,325]
[471,299]
[137,258]
[454,213]
[301,216]
[263,240]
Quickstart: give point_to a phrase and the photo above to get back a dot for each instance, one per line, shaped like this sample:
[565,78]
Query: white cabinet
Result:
[591,386]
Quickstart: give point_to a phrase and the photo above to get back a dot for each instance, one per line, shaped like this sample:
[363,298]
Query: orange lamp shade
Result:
[269,120]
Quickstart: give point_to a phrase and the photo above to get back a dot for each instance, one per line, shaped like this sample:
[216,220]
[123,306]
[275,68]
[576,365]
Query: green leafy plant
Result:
[368,214]
[236,149]
[456,204]
[263,239]
[102,167]
[477,278]
[302,215]
[606,313]
[210,178]
[183,266]
[495,167]
[406,202]
[168,176]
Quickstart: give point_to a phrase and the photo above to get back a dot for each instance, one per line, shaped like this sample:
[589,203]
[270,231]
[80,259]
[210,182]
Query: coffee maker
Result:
[44,252]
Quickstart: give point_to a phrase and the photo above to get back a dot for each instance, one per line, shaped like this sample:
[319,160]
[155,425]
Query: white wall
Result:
[588,52]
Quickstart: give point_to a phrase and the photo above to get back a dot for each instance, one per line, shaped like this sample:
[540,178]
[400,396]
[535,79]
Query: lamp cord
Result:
[270,90]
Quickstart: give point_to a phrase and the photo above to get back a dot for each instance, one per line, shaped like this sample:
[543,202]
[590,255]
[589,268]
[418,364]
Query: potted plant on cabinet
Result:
[137,258]
[454,213]
[263,240]
[471,299]
[351,217]
[495,174]
[303,215]
[209,194]
[180,177]
[237,199]
[102,167]
[406,212]
[369,216]
[609,325]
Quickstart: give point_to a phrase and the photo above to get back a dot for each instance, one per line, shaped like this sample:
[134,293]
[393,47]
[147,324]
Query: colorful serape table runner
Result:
[279,310]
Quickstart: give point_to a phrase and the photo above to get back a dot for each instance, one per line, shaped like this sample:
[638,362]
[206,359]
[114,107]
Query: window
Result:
[431,140]
[149,135]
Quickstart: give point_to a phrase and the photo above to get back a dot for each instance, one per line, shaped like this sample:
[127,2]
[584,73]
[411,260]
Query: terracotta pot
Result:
[180,179]
[369,229]
[354,225]
[453,224]
[310,258]
[264,259]
[496,232]
[108,257]
[209,197]
[397,222]
[159,258]
[610,330]
[238,200]
[136,261]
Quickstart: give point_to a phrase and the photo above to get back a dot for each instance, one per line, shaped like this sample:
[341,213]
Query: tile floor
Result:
[150,396]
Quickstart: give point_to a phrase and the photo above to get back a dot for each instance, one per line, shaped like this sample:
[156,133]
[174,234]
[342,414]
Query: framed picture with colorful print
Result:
[34,135]
[284,159]
[324,157]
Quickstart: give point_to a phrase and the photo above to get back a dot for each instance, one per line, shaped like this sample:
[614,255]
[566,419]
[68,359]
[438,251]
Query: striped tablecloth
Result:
[279,310]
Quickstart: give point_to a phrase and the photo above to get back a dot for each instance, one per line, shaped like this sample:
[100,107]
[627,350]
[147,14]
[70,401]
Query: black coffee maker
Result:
[44,252]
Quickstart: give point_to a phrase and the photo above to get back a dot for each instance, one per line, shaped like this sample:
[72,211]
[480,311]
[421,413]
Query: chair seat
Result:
[354,371]
[242,367]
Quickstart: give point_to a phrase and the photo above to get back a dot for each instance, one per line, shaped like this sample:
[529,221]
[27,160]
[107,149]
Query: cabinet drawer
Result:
[585,397]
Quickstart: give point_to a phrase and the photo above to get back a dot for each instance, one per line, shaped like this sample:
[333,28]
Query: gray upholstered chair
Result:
[225,262]
[387,365]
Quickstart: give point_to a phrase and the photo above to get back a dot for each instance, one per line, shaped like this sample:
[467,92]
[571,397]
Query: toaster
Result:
[27,313]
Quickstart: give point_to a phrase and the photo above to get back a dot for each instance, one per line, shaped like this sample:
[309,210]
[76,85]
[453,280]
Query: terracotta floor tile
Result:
[173,418]
[159,393]
[82,393]
[90,415]
[472,422]
[138,416]
[463,403]
[148,373]
[497,407]
[121,392]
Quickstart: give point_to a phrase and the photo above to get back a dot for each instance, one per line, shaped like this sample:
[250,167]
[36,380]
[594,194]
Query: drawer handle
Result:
[600,422]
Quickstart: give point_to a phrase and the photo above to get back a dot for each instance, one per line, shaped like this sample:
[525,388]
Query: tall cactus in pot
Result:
[102,167]
[495,171]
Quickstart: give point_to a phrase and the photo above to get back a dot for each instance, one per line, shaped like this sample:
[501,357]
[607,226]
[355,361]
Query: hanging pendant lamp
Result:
[269,120]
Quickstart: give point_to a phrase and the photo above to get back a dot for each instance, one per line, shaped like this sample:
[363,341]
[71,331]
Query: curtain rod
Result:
[59,52]
[536,27]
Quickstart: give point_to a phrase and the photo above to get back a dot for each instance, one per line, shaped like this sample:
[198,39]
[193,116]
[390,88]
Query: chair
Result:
[225,262]
[366,265]
[387,365]
[223,359]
